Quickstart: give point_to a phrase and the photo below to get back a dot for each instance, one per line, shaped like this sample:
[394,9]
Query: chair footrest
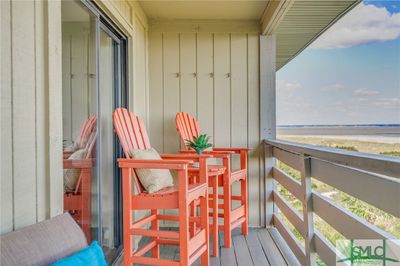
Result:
[198,240]
[237,213]
[154,261]
[238,175]
[211,196]
[197,192]
[155,233]
[195,255]
[143,250]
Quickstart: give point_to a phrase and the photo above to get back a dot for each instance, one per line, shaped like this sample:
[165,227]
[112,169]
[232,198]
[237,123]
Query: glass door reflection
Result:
[109,98]
[79,103]
[94,84]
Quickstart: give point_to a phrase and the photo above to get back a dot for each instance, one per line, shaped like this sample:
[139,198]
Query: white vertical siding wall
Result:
[77,61]
[139,98]
[31,103]
[215,77]
[30,124]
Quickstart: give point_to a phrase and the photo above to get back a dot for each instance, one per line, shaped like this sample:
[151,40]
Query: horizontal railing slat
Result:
[385,165]
[289,183]
[379,191]
[374,179]
[288,158]
[344,221]
[287,253]
[290,239]
[324,248]
[291,213]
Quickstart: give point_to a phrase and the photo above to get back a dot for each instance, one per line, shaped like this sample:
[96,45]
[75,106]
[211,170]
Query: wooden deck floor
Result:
[260,247]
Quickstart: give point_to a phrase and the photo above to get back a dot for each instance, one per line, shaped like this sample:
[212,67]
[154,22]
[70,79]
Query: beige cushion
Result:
[42,243]
[71,175]
[152,179]
[70,146]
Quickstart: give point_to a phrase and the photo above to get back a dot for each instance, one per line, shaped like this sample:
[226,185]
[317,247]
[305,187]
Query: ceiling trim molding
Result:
[246,26]
[273,15]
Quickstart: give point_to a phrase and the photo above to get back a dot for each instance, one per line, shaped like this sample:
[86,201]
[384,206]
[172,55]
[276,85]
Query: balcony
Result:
[168,57]
[261,246]
[371,178]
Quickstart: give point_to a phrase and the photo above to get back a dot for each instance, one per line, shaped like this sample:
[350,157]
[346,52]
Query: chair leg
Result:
[127,215]
[227,212]
[184,232]
[243,184]
[193,214]
[215,217]
[205,258]
[85,201]
[155,252]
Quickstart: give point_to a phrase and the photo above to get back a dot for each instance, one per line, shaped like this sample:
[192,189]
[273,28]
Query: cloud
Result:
[365,92]
[333,87]
[388,103]
[288,86]
[364,24]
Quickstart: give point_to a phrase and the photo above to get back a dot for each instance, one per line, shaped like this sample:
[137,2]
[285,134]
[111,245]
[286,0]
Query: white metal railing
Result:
[371,178]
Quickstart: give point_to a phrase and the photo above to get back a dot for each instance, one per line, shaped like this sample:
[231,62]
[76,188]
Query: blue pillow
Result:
[90,256]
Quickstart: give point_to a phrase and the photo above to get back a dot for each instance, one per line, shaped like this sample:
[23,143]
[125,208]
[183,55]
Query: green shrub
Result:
[349,148]
[391,153]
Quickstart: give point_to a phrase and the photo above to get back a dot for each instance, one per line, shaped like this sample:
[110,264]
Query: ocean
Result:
[388,133]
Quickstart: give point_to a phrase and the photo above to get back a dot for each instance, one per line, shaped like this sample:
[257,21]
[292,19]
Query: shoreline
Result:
[363,138]
[374,144]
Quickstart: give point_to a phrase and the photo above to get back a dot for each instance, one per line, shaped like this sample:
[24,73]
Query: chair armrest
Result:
[213,154]
[234,150]
[154,164]
[78,164]
[186,156]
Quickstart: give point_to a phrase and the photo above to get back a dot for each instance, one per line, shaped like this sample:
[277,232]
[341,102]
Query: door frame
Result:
[104,23]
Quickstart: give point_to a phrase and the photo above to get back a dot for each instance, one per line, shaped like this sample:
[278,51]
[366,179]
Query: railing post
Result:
[308,211]
[270,185]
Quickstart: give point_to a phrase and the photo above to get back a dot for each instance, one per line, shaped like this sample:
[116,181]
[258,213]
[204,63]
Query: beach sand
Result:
[363,143]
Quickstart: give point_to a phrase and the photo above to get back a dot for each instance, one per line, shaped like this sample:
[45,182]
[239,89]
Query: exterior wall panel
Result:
[140,88]
[31,103]
[223,95]
[156,83]
[187,58]
[171,90]
[24,148]
[205,82]
[28,121]
[6,188]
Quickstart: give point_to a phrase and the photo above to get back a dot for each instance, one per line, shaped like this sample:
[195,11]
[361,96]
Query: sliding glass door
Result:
[110,97]
[94,84]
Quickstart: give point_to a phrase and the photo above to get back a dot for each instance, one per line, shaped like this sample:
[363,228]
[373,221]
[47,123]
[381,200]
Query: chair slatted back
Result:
[86,130]
[187,126]
[89,154]
[132,135]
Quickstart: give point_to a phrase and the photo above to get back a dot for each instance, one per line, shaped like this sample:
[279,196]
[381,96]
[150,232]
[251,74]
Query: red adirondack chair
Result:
[188,128]
[87,128]
[132,135]
[77,203]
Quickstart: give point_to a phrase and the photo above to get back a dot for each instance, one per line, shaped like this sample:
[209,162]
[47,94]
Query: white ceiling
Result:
[204,10]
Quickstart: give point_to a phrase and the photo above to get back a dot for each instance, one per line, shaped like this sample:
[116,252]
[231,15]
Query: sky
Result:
[349,75]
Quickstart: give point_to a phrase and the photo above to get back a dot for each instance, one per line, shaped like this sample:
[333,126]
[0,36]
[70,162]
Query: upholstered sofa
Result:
[42,243]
